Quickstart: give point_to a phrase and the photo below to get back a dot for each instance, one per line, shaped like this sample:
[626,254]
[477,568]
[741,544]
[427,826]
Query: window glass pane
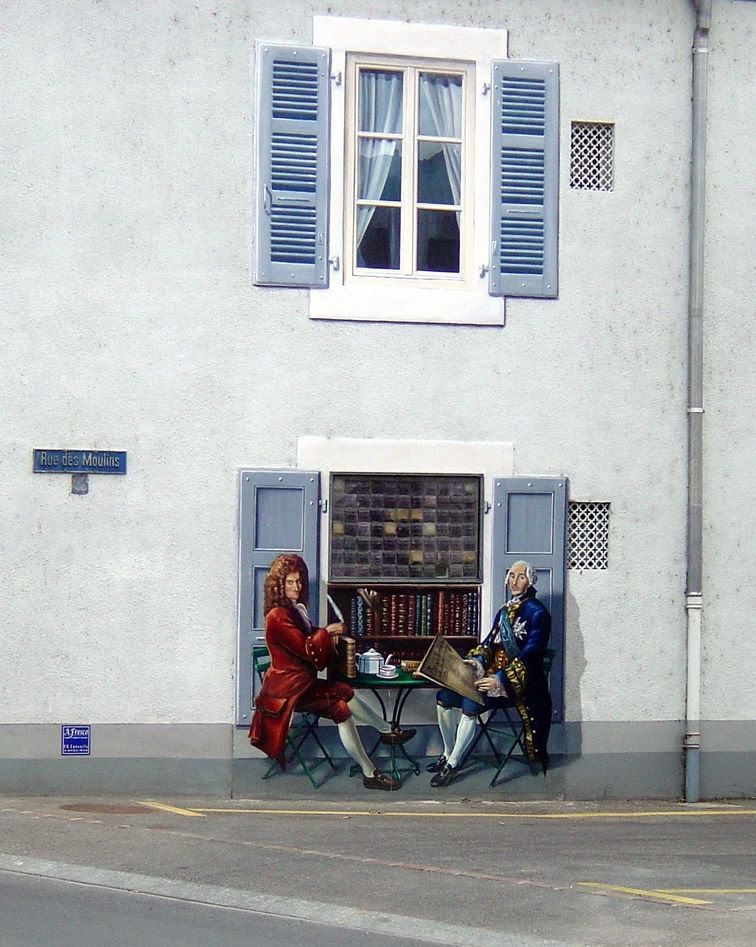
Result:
[380,104]
[379,230]
[438,173]
[379,170]
[438,241]
[440,105]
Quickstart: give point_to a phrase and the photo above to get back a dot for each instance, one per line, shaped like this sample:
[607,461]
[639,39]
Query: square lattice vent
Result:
[588,536]
[592,156]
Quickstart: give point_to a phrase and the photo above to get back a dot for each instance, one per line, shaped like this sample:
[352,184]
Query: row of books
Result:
[417,614]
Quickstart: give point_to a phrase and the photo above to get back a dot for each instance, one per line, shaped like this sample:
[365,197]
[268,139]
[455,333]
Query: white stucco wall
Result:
[131,324]
[729,646]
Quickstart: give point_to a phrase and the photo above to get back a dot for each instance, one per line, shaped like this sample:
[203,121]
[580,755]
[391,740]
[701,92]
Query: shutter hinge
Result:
[486,507]
[336,78]
[335,263]
[323,504]
[485,88]
[483,270]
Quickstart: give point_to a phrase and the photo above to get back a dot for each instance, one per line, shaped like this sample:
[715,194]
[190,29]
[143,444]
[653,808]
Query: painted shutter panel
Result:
[530,523]
[293,86]
[524,179]
[278,512]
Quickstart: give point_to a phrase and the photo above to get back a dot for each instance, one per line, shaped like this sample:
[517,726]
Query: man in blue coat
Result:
[508,666]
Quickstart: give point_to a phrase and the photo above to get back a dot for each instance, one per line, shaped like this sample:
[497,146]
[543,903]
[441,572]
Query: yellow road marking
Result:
[480,815]
[642,893]
[159,805]
[628,815]
[708,890]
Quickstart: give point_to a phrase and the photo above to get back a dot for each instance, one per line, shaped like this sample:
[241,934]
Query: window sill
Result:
[408,304]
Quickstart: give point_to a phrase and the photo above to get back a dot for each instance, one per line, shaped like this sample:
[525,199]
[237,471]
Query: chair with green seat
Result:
[304,728]
[503,725]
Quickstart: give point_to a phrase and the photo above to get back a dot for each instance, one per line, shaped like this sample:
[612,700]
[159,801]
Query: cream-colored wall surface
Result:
[130,323]
[124,289]
[729,645]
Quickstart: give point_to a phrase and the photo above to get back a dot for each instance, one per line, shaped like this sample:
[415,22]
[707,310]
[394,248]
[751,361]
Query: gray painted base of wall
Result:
[154,759]
[610,777]
[601,760]
[728,775]
[131,776]
[602,773]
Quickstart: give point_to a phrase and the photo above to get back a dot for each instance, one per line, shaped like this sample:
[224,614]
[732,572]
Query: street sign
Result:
[79,461]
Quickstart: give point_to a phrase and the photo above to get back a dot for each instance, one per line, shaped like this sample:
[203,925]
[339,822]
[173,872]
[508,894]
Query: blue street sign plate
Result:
[74,739]
[79,461]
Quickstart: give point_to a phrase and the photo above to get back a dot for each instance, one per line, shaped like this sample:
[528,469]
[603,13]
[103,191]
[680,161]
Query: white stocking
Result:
[465,736]
[447,724]
[366,717]
[353,745]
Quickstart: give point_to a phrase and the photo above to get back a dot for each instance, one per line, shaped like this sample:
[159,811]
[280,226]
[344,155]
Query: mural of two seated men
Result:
[506,666]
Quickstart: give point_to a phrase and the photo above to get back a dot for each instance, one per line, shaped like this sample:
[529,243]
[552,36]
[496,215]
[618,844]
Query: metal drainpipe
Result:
[694,591]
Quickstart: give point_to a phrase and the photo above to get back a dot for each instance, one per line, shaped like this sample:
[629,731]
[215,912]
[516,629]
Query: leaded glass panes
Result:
[423,528]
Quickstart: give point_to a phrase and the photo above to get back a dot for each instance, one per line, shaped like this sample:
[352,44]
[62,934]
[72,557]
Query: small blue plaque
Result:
[54,460]
[74,739]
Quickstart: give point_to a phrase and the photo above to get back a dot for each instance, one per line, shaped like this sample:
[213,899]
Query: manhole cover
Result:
[104,808]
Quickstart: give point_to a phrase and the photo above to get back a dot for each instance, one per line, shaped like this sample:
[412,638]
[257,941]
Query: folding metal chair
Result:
[304,727]
[503,725]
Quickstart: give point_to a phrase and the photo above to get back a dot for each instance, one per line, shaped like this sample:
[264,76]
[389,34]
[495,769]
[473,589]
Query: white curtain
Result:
[380,112]
[441,102]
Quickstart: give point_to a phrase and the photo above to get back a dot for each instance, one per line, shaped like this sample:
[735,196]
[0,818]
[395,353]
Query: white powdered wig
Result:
[530,572]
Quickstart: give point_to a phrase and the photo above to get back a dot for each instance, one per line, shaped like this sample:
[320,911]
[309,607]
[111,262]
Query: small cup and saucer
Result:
[388,671]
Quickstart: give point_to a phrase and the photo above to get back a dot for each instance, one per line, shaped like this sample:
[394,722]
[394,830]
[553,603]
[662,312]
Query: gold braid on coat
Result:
[496,659]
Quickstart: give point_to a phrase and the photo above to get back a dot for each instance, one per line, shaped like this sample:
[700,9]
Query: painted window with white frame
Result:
[406,172]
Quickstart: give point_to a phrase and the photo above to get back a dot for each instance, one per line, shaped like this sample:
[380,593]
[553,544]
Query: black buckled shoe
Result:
[381,781]
[398,737]
[447,775]
[437,765]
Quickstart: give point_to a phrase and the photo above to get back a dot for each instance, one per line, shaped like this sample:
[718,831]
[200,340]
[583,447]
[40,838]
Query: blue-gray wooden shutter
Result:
[278,512]
[293,86]
[530,523]
[524,179]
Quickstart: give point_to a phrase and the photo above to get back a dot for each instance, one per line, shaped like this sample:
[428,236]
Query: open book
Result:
[445,667]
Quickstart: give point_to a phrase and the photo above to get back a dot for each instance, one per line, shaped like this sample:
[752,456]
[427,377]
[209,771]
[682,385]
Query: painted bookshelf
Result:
[405,559]
[403,619]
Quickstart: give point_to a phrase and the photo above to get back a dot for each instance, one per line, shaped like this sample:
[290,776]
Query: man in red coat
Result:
[297,652]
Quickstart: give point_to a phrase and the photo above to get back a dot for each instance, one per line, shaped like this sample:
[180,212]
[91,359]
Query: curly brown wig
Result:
[274,589]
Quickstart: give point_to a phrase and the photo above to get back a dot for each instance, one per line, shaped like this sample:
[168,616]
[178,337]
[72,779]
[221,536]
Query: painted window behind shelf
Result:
[419,529]
[279,511]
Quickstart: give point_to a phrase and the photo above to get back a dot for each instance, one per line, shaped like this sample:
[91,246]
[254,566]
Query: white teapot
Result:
[369,662]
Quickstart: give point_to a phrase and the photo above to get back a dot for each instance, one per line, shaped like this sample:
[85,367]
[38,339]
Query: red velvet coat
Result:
[291,683]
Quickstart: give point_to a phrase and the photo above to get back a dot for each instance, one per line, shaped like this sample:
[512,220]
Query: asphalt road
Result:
[460,872]
[36,911]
